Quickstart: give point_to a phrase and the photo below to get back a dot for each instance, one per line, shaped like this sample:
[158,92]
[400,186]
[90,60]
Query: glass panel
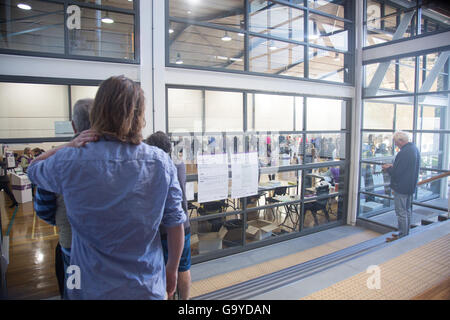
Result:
[404,117]
[380,79]
[103,34]
[82,92]
[434,14]
[432,118]
[328,32]
[274,19]
[378,115]
[123,4]
[276,57]
[336,8]
[322,211]
[38,27]
[371,205]
[433,75]
[325,114]
[407,74]
[185,110]
[299,106]
[392,24]
[274,112]
[224,111]
[434,150]
[326,65]
[31,110]
[206,47]
[324,147]
[377,144]
[434,193]
[224,13]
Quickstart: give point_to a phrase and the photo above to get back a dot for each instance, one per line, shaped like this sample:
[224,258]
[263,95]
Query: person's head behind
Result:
[118,110]
[27,151]
[80,115]
[401,138]
[161,140]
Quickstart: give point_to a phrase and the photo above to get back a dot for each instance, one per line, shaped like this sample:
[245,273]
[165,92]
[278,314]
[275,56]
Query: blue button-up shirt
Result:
[116,195]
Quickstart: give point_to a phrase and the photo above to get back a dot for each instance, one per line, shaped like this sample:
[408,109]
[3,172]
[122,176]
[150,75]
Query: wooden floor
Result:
[32,242]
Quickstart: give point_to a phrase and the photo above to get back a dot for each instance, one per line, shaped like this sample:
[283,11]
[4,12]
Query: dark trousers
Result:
[5,186]
[59,269]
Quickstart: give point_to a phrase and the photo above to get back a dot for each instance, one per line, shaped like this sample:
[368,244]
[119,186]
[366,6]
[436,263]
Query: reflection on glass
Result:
[223,13]
[432,118]
[276,57]
[97,38]
[206,47]
[324,147]
[326,65]
[376,144]
[269,18]
[371,205]
[433,75]
[40,29]
[123,4]
[328,32]
[432,150]
[333,7]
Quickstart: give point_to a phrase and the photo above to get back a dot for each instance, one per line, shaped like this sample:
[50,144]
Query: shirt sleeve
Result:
[45,205]
[173,211]
[46,173]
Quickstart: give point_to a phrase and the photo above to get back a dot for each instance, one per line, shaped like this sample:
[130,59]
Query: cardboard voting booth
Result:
[211,241]
[260,229]
[21,187]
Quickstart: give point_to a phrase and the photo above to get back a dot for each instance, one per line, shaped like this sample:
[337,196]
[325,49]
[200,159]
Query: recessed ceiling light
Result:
[221,58]
[170,30]
[189,11]
[272,46]
[240,34]
[107,19]
[226,37]
[24,6]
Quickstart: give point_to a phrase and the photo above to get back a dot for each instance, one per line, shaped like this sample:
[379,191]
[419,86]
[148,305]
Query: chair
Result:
[321,204]
[279,191]
[211,208]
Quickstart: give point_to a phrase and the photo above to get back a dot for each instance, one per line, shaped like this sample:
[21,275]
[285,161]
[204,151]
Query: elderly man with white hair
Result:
[404,174]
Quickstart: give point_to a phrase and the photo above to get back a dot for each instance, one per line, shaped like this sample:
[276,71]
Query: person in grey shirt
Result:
[51,208]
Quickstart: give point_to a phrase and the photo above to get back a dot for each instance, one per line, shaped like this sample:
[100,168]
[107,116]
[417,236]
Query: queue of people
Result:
[118,192]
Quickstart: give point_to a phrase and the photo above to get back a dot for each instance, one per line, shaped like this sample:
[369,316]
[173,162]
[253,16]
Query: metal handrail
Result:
[440,176]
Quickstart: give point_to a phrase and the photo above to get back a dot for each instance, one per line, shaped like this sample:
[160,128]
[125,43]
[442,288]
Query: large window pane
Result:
[377,144]
[274,112]
[434,150]
[333,7]
[378,116]
[224,111]
[31,110]
[273,19]
[276,57]
[406,74]
[82,92]
[39,29]
[299,107]
[205,47]
[325,114]
[185,110]
[434,193]
[404,117]
[380,78]
[224,13]
[113,38]
[432,118]
[326,65]
[328,32]
[434,75]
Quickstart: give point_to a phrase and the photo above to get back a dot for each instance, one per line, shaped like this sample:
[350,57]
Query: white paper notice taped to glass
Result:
[212,177]
[190,194]
[244,175]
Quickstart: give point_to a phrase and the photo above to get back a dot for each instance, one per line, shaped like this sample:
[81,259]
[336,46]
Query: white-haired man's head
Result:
[401,138]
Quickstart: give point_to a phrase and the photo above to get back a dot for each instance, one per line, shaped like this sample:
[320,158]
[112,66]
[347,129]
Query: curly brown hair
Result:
[118,110]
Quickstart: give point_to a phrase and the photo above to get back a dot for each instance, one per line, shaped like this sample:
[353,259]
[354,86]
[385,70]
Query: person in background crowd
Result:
[25,159]
[4,182]
[161,140]
[51,208]
[118,191]
[404,175]
[37,152]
